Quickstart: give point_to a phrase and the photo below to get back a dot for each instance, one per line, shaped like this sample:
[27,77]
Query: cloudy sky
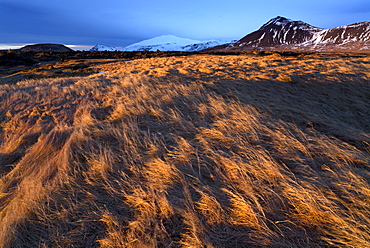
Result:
[119,23]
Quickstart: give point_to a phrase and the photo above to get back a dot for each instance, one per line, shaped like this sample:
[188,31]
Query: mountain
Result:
[101,47]
[173,43]
[45,48]
[278,31]
[281,33]
[162,43]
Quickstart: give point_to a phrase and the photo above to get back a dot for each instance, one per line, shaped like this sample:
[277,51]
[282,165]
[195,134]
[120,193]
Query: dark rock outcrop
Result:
[15,58]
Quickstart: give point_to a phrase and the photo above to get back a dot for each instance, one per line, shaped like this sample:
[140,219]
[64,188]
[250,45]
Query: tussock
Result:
[196,151]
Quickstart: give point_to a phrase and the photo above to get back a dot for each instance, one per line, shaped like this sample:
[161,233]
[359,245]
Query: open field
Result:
[186,151]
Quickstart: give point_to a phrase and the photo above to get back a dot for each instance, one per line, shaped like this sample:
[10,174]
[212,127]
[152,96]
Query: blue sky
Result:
[122,22]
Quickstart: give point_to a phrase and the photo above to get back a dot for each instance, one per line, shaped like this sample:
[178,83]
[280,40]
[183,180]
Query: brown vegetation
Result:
[196,151]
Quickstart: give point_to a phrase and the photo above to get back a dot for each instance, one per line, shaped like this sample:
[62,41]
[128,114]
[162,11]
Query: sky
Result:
[82,24]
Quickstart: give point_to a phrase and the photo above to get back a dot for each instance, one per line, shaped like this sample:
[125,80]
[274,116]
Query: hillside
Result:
[196,151]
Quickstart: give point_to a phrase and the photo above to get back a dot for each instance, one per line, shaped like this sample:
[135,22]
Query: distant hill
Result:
[45,48]
[281,33]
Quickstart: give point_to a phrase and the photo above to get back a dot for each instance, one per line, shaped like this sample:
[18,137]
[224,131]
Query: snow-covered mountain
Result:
[101,47]
[162,43]
[206,44]
[281,33]
[173,43]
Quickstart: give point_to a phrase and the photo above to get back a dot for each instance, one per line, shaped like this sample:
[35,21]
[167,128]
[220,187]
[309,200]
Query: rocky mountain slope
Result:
[282,33]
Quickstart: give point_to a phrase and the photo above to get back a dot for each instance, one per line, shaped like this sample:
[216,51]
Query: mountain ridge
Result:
[281,33]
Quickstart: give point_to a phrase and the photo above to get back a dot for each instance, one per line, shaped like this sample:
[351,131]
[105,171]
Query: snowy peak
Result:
[101,47]
[172,43]
[162,43]
[282,23]
[278,21]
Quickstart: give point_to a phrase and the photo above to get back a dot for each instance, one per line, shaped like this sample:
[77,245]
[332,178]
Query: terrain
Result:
[263,149]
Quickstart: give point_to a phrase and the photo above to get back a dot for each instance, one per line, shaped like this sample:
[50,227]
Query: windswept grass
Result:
[197,151]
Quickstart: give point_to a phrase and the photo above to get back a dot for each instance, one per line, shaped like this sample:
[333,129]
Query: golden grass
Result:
[197,151]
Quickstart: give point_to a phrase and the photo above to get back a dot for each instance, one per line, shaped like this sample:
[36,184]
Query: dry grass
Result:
[198,151]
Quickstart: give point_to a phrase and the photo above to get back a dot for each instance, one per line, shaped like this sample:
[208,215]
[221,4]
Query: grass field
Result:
[187,151]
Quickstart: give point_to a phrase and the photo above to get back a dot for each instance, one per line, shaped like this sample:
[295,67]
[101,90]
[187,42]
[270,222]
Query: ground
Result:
[244,150]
